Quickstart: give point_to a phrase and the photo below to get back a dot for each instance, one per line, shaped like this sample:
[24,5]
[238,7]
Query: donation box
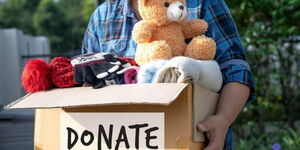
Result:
[136,116]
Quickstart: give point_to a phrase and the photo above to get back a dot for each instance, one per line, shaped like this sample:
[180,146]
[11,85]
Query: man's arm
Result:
[238,79]
[232,99]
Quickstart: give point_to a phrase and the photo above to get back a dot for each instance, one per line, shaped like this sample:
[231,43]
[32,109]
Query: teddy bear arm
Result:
[194,28]
[143,32]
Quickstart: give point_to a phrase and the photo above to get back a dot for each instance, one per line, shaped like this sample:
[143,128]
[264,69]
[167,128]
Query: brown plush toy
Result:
[162,32]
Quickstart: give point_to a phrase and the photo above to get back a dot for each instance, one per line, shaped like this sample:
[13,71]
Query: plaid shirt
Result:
[111,24]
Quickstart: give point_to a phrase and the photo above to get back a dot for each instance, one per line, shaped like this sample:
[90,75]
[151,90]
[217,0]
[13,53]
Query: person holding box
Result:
[110,31]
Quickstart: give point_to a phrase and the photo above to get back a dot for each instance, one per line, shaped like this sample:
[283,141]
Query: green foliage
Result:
[286,138]
[63,21]
[18,14]
[49,20]
[76,21]
[269,30]
[88,8]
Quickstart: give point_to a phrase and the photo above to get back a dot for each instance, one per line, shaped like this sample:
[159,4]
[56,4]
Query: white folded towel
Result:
[204,73]
[147,72]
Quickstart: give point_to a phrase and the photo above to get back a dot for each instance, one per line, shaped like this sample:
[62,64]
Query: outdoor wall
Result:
[13,45]
[1,72]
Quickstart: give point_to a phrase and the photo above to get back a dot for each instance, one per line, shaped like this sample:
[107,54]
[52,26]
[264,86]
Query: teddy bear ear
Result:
[142,2]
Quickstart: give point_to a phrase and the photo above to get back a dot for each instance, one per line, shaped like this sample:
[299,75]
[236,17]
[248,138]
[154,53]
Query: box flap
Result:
[157,94]
[204,105]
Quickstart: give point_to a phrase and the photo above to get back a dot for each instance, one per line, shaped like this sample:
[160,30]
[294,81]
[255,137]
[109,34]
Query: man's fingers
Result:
[214,133]
[204,126]
[213,144]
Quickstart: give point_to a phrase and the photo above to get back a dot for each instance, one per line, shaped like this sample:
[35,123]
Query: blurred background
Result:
[269,29]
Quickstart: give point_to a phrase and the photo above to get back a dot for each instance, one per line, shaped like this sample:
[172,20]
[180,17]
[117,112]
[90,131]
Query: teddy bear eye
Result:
[166,4]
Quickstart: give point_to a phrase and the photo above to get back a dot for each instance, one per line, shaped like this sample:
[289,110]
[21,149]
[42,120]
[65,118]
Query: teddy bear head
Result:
[163,12]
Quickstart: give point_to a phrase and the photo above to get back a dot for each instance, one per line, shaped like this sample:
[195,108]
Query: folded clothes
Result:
[147,72]
[130,76]
[204,73]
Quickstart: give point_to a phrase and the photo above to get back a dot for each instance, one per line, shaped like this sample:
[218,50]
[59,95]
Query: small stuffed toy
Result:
[162,32]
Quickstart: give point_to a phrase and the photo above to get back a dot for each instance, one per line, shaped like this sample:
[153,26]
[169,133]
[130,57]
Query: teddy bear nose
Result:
[181,7]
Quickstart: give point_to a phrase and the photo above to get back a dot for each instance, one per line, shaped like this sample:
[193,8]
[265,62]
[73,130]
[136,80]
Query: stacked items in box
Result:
[101,69]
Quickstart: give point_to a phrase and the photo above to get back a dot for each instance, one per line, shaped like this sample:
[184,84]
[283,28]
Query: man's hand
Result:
[232,99]
[215,128]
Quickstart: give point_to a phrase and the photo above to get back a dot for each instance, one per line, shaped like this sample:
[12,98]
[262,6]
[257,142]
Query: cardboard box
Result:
[140,116]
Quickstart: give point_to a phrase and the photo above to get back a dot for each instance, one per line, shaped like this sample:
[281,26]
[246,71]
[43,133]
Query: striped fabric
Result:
[111,24]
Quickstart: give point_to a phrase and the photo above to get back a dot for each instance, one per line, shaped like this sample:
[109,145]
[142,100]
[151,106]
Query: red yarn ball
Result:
[36,76]
[62,74]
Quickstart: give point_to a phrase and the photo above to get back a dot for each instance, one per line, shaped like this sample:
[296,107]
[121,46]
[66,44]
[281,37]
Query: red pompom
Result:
[62,74]
[36,76]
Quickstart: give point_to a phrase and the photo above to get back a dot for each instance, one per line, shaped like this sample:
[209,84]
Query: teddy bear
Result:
[163,29]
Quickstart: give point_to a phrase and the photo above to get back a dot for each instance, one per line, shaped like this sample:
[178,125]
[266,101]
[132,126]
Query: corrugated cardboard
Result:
[160,94]
[183,105]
